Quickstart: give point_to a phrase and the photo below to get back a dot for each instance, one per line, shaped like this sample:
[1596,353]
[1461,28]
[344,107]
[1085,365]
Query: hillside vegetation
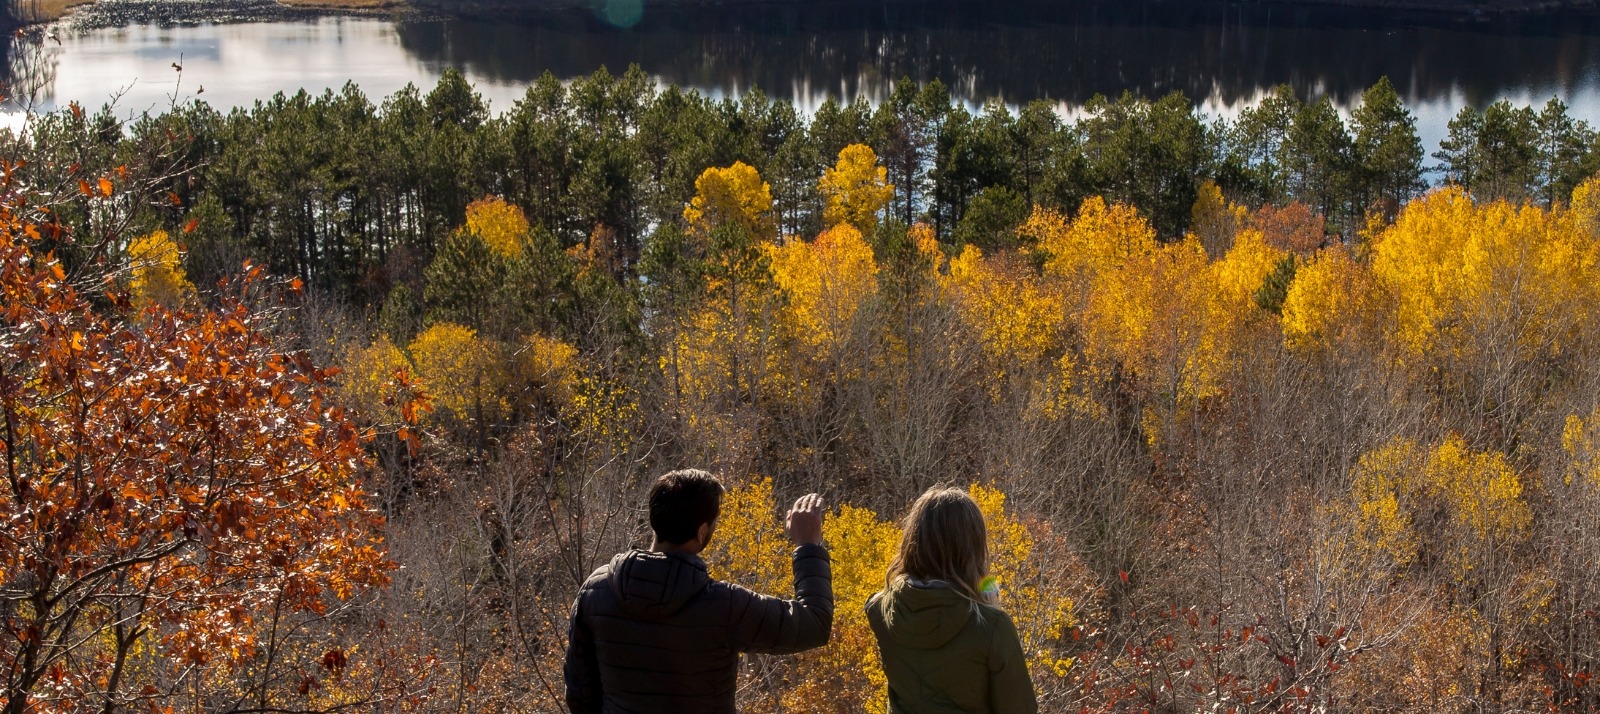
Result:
[325,405]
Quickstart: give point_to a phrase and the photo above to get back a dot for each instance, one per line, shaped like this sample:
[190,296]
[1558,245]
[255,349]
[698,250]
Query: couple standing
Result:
[652,632]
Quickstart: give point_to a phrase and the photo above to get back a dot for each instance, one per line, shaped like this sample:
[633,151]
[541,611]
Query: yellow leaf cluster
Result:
[500,225]
[826,282]
[157,274]
[1214,219]
[368,380]
[861,545]
[1400,482]
[1101,240]
[855,190]
[1580,439]
[720,355]
[603,409]
[1332,304]
[465,374]
[1483,491]
[1018,317]
[551,365]
[1242,270]
[1235,317]
[749,546]
[731,196]
[1155,317]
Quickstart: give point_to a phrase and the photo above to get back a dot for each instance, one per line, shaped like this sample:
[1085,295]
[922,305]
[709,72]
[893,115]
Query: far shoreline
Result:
[21,13]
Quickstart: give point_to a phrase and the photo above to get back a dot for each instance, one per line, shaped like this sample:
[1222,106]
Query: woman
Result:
[946,646]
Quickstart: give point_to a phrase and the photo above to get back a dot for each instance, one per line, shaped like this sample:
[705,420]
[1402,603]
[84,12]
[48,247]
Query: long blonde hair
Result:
[943,537]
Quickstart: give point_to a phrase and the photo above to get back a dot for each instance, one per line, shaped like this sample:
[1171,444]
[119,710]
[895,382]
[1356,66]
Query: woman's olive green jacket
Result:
[943,654]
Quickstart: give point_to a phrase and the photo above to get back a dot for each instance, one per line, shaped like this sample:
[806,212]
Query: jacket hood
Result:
[925,618]
[651,585]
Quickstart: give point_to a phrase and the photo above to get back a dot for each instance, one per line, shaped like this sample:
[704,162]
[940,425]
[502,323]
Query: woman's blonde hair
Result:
[943,537]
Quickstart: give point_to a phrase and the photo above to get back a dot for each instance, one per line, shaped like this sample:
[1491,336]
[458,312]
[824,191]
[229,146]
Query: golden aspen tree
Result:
[1242,271]
[826,282]
[732,196]
[1487,297]
[721,349]
[1214,219]
[1019,319]
[156,274]
[1153,317]
[1333,304]
[1460,271]
[500,225]
[368,380]
[1397,487]
[1098,241]
[1580,439]
[1453,517]
[855,189]
[549,364]
[464,373]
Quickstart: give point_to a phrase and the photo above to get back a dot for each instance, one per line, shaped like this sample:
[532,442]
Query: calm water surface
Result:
[1223,56]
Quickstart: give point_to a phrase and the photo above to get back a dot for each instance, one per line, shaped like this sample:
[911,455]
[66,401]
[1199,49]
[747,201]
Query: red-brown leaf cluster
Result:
[168,478]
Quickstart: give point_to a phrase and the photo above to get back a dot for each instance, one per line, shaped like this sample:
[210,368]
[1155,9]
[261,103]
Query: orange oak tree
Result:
[175,491]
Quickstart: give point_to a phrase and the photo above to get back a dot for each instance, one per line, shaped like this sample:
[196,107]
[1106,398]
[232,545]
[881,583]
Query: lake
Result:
[1224,56]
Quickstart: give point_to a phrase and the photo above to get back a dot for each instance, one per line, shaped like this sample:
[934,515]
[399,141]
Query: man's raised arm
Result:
[767,624]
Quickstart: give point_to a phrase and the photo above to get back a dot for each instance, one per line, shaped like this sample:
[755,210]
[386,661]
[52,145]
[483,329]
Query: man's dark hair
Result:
[682,500]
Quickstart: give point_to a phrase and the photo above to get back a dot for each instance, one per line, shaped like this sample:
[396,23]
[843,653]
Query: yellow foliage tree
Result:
[1236,318]
[1215,220]
[465,374]
[1154,318]
[719,355]
[1019,319]
[157,274]
[550,365]
[604,411]
[826,281]
[1097,242]
[855,189]
[1580,439]
[1334,304]
[732,196]
[368,380]
[500,225]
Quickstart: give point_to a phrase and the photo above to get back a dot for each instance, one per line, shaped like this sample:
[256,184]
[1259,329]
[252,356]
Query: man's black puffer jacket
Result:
[652,632]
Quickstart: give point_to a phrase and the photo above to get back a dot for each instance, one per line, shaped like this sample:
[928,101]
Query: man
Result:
[652,632]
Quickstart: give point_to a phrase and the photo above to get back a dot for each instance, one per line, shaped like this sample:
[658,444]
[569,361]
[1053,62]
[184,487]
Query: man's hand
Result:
[804,522]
